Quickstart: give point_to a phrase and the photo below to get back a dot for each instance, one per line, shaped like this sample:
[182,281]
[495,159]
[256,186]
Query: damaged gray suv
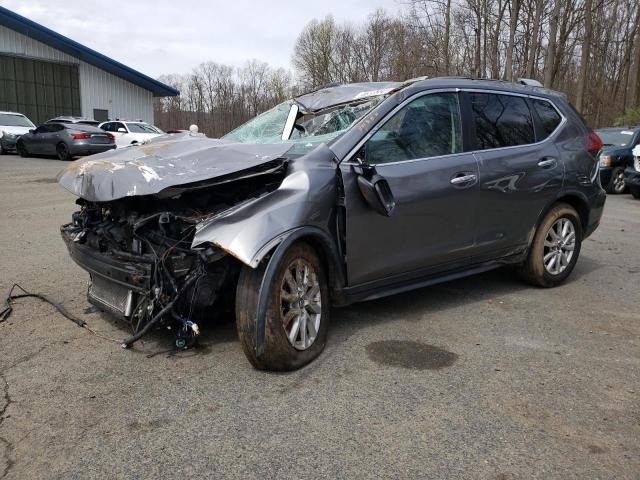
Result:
[347,193]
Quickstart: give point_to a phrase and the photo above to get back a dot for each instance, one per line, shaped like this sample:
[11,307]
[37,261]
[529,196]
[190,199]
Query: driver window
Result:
[427,127]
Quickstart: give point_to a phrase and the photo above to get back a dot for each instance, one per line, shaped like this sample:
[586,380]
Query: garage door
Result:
[39,89]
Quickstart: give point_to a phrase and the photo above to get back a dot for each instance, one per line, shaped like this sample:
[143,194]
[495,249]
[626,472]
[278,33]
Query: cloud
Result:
[173,37]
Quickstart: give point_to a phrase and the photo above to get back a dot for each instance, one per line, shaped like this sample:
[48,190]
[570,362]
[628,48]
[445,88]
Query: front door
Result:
[419,151]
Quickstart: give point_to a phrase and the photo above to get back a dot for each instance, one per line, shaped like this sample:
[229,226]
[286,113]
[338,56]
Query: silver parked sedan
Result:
[65,140]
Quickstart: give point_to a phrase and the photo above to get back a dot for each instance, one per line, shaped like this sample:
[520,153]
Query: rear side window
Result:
[501,120]
[549,116]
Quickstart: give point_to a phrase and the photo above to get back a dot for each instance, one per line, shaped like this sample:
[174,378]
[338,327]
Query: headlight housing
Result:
[606,160]
[7,135]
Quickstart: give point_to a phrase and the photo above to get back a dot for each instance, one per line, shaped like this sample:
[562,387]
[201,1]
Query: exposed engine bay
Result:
[139,253]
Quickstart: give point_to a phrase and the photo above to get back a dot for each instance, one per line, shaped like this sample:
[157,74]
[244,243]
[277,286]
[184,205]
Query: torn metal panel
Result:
[250,230]
[165,162]
[337,95]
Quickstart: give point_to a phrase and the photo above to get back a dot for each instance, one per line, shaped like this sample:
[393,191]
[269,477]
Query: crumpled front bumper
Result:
[116,285]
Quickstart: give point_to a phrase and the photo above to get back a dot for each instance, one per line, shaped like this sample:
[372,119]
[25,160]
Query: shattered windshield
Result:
[309,130]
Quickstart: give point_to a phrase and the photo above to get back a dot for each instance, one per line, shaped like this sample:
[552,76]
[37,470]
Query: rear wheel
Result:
[297,318]
[555,248]
[616,184]
[63,151]
[635,191]
[22,150]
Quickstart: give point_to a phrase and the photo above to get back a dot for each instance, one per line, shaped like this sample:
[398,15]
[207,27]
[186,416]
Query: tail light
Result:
[111,137]
[81,136]
[594,144]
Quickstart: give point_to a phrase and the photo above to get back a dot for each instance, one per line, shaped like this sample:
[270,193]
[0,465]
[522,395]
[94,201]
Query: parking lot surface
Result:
[483,377]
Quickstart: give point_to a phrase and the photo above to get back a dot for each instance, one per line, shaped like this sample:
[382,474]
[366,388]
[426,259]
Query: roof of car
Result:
[13,113]
[69,119]
[337,94]
[83,127]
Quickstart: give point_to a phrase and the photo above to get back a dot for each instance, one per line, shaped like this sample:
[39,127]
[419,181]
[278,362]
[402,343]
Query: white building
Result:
[44,74]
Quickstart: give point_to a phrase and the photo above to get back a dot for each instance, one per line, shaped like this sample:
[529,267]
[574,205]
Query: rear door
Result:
[520,167]
[419,151]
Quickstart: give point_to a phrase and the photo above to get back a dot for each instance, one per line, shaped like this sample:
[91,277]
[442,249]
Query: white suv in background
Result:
[12,125]
[130,133]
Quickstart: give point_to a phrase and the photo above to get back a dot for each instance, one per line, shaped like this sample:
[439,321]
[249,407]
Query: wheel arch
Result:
[326,249]
[577,200]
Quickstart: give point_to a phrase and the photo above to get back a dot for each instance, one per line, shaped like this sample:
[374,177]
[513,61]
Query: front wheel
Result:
[635,191]
[297,317]
[555,248]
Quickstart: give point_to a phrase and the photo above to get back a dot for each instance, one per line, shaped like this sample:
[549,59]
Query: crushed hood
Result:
[162,163]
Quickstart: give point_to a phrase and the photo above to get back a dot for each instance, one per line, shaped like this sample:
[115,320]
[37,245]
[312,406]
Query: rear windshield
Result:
[616,138]
[10,120]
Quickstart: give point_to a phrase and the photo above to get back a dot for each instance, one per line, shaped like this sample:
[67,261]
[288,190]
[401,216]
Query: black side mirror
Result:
[375,189]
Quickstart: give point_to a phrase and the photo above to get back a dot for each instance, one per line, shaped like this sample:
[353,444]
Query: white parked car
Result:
[12,125]
[130,133]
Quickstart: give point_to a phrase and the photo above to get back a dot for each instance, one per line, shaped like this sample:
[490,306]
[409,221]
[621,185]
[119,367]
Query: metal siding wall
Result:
[98,89]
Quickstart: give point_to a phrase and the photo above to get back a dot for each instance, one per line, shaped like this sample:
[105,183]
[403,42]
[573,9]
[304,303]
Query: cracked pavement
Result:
[483,377]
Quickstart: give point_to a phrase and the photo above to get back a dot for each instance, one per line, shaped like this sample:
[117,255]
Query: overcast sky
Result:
[164,36]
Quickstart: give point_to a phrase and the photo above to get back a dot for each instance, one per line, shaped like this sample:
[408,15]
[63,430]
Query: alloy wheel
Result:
[559,245]
[301,304]
[618,182]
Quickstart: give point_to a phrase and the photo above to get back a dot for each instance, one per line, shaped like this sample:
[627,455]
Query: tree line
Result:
[588,49]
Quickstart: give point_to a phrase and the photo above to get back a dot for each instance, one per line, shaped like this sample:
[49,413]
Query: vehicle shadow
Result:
[409,306]
[412,306]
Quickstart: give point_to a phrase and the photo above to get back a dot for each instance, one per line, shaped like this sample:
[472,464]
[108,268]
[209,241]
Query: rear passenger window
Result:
[501,120]
[549,116]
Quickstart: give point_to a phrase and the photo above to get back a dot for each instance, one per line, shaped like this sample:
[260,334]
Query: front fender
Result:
[306,197]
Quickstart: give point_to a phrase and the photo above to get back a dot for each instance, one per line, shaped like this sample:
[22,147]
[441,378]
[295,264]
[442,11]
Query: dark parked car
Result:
[616,156]
[348,193]
[65,140]
[632,174]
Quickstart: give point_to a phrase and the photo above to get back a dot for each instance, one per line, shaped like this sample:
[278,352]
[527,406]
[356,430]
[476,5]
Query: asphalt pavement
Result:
[483,377]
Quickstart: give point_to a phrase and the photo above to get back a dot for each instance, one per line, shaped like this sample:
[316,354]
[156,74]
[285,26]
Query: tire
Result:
[3,151]
[635,191]
[279,353]
[616,184]
[534,270]
[63,151]
[22,150]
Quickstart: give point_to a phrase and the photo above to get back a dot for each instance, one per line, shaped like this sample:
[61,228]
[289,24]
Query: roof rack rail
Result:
[530,82]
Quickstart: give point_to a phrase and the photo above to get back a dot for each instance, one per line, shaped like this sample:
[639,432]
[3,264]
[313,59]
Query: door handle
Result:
[547,162]
[463,179]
